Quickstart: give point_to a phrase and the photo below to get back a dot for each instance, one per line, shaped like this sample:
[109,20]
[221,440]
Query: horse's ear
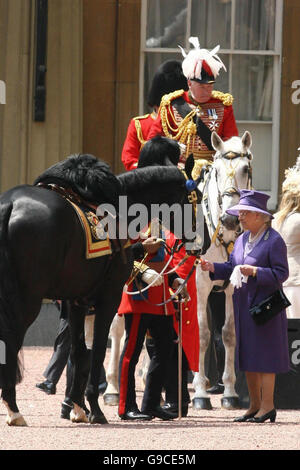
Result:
[189,165]
[247,139]
[216,141]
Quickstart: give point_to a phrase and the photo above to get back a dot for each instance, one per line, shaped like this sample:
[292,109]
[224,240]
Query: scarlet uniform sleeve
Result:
[156,128]
[228,126]
[131,148]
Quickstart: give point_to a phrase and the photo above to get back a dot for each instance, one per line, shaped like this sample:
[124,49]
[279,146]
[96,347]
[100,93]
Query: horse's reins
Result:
[177,292]
[140,291]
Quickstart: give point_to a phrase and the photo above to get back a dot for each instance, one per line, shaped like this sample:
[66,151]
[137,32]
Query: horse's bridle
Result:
[233,190]
[191,187]
[228,191]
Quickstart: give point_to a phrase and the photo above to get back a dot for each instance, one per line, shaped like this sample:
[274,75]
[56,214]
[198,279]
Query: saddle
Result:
[95,245]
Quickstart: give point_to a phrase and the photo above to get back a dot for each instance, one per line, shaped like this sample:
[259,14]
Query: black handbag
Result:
[270,307]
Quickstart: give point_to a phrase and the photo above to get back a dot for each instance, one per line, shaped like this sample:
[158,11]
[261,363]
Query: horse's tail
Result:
[11,330]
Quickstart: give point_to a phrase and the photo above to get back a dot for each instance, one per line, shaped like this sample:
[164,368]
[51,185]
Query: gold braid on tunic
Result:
[186,130]
[138,127]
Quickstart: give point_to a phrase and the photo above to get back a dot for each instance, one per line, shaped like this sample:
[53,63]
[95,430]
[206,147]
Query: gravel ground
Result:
[200,430]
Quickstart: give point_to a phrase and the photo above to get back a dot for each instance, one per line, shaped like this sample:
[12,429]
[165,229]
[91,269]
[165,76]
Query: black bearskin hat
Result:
[168,77]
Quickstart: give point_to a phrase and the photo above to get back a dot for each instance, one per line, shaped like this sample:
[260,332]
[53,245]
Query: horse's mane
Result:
[159,151]
[85,174]
[143,179]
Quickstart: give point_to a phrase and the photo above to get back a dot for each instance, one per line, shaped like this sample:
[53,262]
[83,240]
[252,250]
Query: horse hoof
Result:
[16,420]
[111,399]
[230,403]
[201,403]
[97,419]
[78,417]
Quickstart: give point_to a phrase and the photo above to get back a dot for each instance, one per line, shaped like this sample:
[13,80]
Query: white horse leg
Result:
[230,398]
[201,398]
[13,418]
[111,395]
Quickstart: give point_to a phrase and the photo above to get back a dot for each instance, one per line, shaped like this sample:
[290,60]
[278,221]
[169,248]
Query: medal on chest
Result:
[212,116]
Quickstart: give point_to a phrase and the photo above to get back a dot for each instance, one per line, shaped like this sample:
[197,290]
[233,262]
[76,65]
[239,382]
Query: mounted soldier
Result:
[190,117]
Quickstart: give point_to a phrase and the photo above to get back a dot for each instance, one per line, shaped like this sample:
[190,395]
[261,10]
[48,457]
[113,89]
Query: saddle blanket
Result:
[89,221]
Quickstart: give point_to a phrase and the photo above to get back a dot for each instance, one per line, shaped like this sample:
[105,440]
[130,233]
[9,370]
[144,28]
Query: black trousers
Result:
[171,380]
[161,330]
[60,354]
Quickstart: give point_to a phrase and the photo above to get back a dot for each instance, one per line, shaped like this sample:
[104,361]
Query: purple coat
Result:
[259,348]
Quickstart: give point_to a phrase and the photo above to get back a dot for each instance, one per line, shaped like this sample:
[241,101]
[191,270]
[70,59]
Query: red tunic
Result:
[145,302]
[190,328]
[137,132]
[215,114]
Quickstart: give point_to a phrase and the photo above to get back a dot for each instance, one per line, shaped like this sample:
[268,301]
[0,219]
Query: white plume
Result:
[192,63]
[297,166]
[195,42]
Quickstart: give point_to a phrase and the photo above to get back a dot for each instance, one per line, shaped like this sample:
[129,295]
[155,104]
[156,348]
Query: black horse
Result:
[42,255]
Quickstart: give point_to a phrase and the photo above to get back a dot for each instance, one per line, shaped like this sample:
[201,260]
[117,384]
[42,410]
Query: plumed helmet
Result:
[201,65]
[168,77]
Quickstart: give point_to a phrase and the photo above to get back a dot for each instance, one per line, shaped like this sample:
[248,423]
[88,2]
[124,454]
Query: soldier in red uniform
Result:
[190,337]
[168,77]
[141,314]
[190,116]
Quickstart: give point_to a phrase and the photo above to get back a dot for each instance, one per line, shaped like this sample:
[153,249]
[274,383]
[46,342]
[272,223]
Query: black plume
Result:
[88,176]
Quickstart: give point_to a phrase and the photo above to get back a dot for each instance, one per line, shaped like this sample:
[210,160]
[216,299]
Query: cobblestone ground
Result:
[201,430]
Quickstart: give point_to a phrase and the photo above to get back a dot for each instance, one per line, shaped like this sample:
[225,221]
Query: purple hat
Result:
[251,200]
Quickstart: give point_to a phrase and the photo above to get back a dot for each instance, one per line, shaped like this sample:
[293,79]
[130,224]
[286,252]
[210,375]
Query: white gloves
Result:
[150,275]
[237,277]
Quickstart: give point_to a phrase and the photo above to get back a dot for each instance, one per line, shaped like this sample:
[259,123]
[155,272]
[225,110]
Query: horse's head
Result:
[164,193]
[232,172]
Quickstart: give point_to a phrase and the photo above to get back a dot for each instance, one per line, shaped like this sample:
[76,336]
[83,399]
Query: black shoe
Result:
[161,413]
[47,387]
[173,408]
[135,415]
[66,408]
[217,389]
[247,417]
[271,415]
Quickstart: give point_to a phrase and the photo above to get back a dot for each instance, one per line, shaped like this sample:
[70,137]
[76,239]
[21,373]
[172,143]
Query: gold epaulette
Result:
[138,128]
[166,99]
[226,98]
[182,131]
[141,117]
